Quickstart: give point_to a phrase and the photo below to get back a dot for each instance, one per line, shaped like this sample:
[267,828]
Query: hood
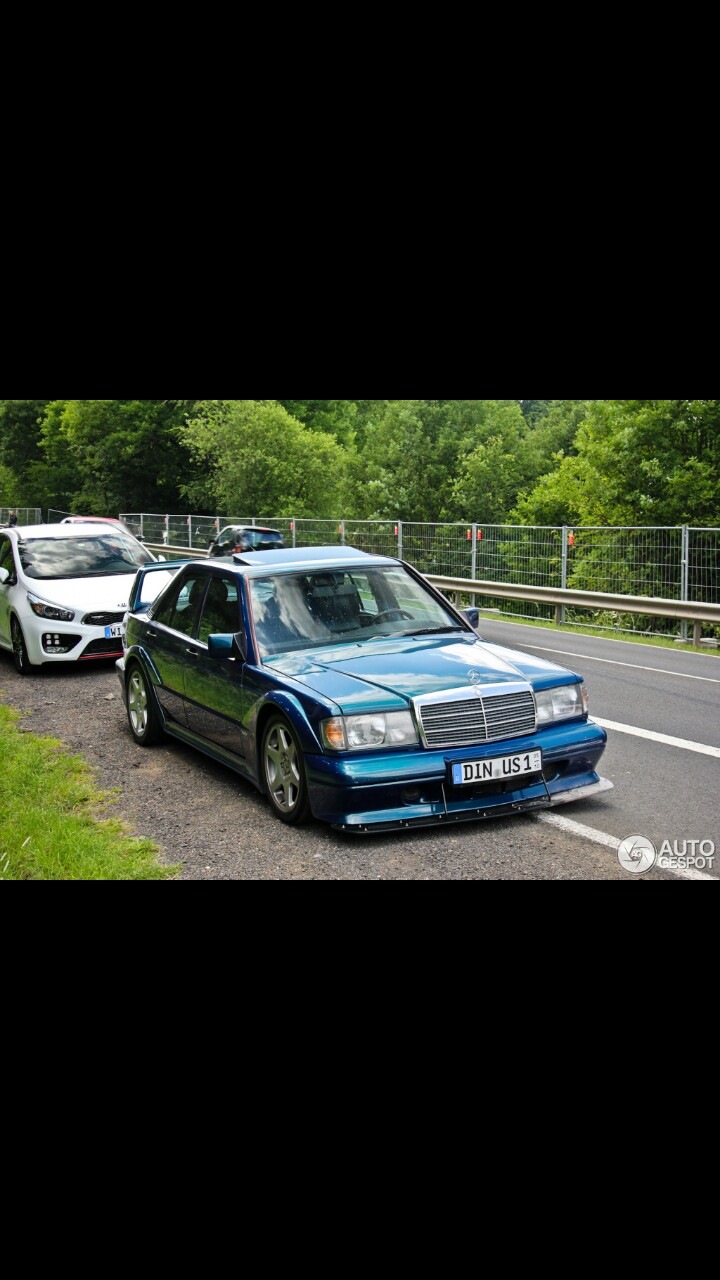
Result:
[387,675]
[84,595]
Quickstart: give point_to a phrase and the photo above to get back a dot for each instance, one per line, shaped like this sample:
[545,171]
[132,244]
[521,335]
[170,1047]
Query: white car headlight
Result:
[54,612]
[370,733]
[567,703]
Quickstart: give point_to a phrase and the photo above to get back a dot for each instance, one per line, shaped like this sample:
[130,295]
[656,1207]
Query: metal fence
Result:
[677,563]
[25,515]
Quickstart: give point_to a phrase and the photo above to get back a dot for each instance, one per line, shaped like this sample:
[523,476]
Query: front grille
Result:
[472,721]
[102,619]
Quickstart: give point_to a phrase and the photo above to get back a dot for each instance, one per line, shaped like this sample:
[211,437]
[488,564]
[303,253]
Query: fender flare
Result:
[293,710]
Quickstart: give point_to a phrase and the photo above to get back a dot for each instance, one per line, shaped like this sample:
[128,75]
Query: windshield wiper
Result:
[433,631]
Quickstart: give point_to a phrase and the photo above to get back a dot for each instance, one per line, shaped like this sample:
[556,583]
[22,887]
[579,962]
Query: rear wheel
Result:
[143,716]
[283,770]
[23,665]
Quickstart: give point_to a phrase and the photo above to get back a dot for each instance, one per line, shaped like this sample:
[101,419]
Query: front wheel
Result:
[23,665]
[143,716]
[283,770]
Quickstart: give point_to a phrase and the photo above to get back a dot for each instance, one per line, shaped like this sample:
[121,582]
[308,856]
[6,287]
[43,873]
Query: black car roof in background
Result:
[250,528]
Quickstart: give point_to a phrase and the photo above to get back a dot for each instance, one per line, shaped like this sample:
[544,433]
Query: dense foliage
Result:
[490,461]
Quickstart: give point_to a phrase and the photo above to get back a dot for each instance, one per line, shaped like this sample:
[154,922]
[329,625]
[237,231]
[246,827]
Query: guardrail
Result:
[685,610]
[177,553]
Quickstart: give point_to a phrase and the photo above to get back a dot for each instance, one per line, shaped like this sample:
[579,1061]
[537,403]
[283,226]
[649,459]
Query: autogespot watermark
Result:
[638,855]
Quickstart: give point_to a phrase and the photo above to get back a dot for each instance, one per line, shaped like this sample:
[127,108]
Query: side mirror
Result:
[473,617]
[221,648]
[4,577]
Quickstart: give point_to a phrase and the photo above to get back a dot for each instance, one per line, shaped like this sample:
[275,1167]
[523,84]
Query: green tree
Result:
[9,490]
[534,410]
[337,418]
[106,456]
[258,459]
[638,462]
[492,475]
[415,450]
[21,445]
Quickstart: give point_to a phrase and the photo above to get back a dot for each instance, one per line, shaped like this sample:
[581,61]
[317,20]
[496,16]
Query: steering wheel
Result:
[393,615]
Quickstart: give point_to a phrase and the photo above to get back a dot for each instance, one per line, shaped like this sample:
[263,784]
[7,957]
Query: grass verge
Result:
[51,817]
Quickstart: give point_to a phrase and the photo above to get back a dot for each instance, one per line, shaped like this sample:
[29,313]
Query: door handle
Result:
[152,635]
[192,653]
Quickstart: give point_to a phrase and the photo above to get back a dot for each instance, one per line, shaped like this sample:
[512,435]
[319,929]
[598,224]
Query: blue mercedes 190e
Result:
[344,686]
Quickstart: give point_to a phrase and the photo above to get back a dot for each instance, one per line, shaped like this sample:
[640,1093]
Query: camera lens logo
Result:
[637,855]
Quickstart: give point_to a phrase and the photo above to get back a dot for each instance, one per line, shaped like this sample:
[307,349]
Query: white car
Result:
[64,592]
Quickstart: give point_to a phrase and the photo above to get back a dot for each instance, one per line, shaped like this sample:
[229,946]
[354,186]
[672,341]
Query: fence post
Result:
[685,584]
[400,540]
[294,532]
[342,532]
[561,612]
[474,570]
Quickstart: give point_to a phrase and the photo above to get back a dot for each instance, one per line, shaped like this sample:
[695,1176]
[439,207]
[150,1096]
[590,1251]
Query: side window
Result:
[6,556]
[179,608]
[221,612]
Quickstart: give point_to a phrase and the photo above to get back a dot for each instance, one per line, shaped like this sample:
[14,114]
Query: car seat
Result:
[335,602]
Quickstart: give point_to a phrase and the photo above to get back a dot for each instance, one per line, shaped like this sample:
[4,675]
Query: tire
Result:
[143,716]
[283,772]
[23,665]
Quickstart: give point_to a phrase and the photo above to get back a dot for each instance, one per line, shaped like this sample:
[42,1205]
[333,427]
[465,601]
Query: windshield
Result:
[96,556]
[304,611]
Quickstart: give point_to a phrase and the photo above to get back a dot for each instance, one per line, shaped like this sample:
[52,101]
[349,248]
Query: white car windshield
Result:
[303,611]
[99,556]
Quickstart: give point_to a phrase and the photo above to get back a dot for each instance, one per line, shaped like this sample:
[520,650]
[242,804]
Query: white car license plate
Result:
[502,770]
[114,633]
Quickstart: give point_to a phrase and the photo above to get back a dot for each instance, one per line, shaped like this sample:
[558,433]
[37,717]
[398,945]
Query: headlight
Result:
[52,611]
[568,703]
[369,733]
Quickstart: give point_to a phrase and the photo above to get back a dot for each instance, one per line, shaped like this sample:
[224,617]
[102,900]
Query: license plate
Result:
[114,633]
[471,772]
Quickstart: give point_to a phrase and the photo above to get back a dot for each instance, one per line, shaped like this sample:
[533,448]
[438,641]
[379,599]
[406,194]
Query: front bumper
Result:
[53,642]
[398,790]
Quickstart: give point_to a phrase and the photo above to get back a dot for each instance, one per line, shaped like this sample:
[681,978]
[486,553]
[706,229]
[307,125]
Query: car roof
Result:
[252,528]
[308,558]
[28,531]
[93,520]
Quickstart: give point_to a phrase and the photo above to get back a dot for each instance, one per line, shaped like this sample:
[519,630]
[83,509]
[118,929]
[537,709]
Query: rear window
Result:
[261,539]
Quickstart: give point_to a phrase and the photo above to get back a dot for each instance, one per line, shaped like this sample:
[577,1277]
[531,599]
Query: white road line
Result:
[608,842]
[610,662]
[577,829]
[699,748]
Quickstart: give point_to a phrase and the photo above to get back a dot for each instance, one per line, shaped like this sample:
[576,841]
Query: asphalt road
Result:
[667,791]
[218,828]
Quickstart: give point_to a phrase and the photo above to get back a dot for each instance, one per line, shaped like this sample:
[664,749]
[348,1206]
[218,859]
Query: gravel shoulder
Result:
[217,826]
